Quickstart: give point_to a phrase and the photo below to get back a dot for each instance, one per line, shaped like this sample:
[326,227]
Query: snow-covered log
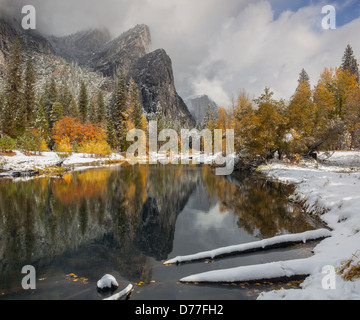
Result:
[121,294]
[268,271]
[265,244]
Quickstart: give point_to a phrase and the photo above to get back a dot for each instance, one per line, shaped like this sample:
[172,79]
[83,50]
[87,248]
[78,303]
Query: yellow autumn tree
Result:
[301,114]
[331,96]
[268,127]
[222,123]
[241,119]
[301,110]
[352,117]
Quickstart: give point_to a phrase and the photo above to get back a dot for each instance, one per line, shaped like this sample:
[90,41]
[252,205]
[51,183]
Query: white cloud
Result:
[258,51]
[213,88]
[217,47]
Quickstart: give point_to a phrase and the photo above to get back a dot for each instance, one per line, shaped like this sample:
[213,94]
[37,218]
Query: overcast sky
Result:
[218,47]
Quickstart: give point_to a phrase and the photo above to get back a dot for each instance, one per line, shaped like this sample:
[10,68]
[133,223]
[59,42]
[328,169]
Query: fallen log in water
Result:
[121,294]
[266,244]
[269,271]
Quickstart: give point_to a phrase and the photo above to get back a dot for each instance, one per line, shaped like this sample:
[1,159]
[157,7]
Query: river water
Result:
[126,221]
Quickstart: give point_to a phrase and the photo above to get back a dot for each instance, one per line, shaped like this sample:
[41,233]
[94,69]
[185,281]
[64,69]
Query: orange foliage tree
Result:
[76,133]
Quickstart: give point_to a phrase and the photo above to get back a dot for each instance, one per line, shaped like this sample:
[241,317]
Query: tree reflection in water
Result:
[120,217]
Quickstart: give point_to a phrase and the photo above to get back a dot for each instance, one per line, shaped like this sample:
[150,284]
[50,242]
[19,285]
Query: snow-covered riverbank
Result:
[332,187]
[21,164]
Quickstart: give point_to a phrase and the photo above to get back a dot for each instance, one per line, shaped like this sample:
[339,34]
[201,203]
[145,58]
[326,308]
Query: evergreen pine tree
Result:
[83,102]
[349,62]
[159,118]
[93,111]
[41,123]
[1,112]
[65,98]
[135,106]
[101,111]
[50,97]
[12,120]
[110,133]
[29,92]
[304,78]
[53,92]
[138,114]
[118,109]
[74,110]
[57,112]
[209,120]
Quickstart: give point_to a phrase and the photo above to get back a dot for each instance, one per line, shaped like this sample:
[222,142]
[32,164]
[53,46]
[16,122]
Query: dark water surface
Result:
[127,220]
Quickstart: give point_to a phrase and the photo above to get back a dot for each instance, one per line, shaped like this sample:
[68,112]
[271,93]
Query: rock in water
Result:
[107,282]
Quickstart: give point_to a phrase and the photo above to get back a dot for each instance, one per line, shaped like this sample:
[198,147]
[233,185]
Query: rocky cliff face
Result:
[31,40]
[154,75]
[122,52]
[95,51]
[80,47]
[198,107]
[47,63]
[151,71]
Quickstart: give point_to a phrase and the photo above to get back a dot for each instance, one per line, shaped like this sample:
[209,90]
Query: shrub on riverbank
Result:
[7,144]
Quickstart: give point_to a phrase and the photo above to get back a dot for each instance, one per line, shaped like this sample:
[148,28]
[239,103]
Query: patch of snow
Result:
[107,282]
[22,163]
[258,245]
[350,159]
[259,272]
[337,193]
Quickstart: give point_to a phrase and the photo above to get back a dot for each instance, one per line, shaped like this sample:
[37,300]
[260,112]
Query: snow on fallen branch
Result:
[121,294]
[268,271]
[255,246]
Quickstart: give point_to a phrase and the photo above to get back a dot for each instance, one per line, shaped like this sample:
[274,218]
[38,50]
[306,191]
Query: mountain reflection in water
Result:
[126,220]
